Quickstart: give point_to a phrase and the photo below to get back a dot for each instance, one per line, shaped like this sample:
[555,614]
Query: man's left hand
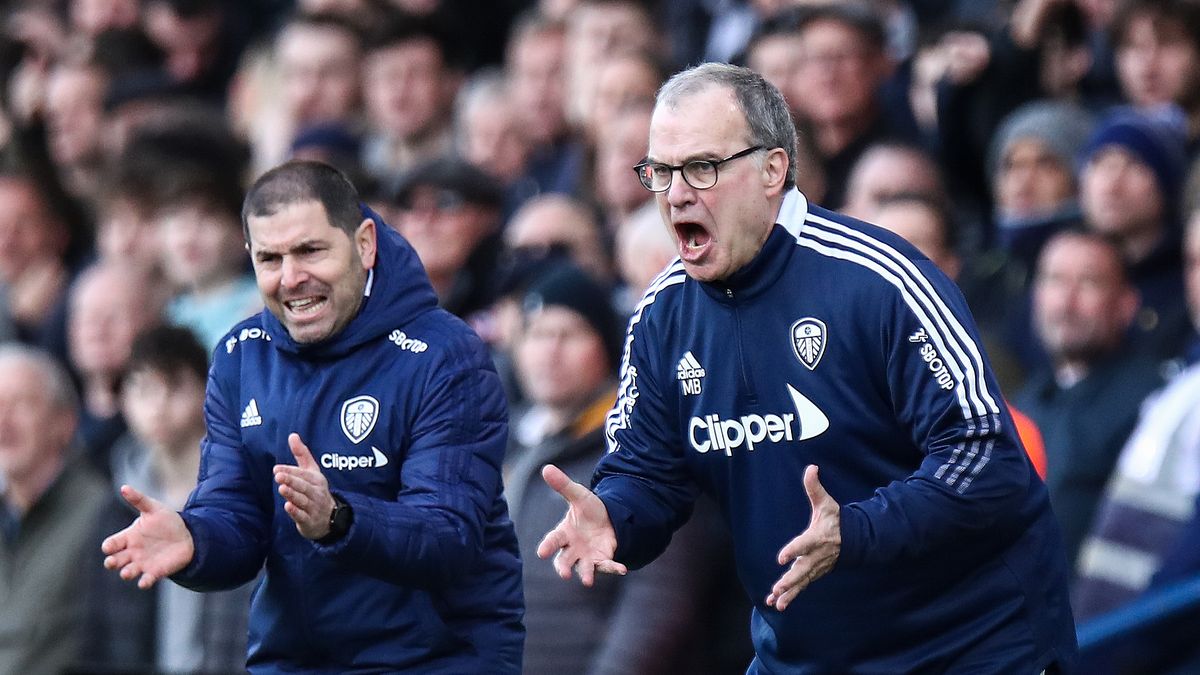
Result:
[814,552]
[305,491]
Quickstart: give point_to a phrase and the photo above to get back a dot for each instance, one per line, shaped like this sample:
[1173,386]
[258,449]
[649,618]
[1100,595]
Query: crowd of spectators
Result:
[1043,153]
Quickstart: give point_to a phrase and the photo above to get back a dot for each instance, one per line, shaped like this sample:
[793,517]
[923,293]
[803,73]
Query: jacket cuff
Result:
[621,518]
[188,577]
[854,525]
[360,507]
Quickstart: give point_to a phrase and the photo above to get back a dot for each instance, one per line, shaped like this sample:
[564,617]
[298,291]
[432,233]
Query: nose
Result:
[292,273]
[680,193]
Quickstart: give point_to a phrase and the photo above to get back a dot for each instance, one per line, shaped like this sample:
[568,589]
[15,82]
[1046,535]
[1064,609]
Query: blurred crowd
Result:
[1041,152]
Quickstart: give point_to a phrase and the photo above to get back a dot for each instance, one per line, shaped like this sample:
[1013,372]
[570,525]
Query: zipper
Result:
[748,391]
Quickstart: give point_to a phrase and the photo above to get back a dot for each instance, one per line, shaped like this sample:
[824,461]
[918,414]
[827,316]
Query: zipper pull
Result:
[729,292]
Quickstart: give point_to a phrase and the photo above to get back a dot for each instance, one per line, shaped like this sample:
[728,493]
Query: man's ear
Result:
[774,170]
[365,242]
[1129,303]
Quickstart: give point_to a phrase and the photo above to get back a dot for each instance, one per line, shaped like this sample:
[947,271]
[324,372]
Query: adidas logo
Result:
[250,416]
[689,372]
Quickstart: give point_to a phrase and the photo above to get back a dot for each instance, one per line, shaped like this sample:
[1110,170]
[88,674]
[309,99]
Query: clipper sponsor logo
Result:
[408,344]
[936,366]
[358,417]
[332,460]
[808,341]
[245,334]
[689,372]
[711,432]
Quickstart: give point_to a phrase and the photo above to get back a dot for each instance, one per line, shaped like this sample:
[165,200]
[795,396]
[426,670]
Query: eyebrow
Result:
[706,155]
[306,245]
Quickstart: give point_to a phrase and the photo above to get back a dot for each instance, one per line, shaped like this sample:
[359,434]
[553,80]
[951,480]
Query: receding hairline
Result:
[675,100]
[689,88]
[760,105]
[300,181]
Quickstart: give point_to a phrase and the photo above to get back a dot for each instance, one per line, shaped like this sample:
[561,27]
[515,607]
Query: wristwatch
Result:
[339,521]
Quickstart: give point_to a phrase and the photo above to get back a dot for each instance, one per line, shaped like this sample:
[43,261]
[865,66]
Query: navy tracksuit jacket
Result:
[406,415]
[840,345]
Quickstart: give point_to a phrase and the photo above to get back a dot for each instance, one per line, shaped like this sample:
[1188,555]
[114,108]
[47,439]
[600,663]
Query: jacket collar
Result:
[771,260]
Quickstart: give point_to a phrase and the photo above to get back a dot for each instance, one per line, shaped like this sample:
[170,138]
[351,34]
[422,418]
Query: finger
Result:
[297,514]
[148,580]
[295,497]
[812,485]
[292,472]
[130,572]
[554,541]
[773,597]
[117,561]
[304,458]
[795,548]
[790,584]
[559,482]
[564,564]
[138,500]
[292,480]
[113,543]
[782,602]
[611,567]
[587,572]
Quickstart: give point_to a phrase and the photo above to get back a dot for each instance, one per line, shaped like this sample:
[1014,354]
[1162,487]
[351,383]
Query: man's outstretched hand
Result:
[305,492]
[157,544]
[584,540]
[814,552]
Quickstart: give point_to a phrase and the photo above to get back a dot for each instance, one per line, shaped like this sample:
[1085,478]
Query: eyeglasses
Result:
[701,174]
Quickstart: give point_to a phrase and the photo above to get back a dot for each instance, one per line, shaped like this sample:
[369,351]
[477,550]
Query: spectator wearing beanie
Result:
[566,359]
[565,312]
[1130,178]
[1031,168]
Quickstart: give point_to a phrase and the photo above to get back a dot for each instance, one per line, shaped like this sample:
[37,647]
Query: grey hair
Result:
[767,114]
[485,89]
[53,375]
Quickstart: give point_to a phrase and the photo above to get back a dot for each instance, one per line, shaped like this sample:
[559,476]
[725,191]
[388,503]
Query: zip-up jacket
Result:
[840,345]
[406,416]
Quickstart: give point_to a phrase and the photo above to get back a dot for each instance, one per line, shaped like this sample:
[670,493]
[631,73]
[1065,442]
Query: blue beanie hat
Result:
[1156,138]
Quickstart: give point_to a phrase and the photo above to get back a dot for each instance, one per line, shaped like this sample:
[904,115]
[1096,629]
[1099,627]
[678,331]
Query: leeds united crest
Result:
[358,417]
[808,341]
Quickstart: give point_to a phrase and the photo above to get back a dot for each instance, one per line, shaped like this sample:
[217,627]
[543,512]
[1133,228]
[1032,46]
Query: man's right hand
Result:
[584,540]
[157,544]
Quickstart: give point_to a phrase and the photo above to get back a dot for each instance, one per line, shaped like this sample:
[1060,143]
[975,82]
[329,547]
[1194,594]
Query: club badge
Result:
[808,341]
[358,417]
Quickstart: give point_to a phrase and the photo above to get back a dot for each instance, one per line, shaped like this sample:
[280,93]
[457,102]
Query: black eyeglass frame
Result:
[681,168]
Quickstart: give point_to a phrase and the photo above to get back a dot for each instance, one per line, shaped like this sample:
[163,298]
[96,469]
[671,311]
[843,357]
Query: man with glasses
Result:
[788,338]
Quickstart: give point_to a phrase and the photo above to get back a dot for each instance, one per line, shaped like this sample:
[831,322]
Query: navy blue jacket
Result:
[840,345]
[407,418]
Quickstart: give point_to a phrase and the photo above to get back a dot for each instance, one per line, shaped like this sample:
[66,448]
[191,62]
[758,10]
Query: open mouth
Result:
[305,307]
[693,240]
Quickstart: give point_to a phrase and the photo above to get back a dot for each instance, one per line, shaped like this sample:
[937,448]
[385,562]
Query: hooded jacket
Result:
[406,416]
[840,345]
